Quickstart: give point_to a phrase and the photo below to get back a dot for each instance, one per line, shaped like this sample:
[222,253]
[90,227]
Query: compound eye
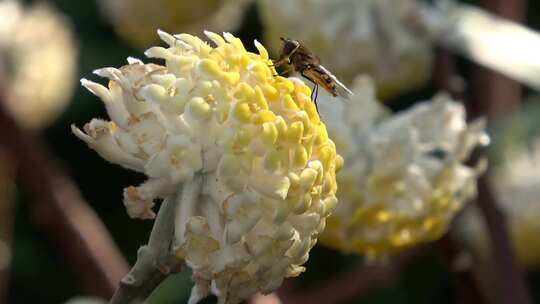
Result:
[289,46]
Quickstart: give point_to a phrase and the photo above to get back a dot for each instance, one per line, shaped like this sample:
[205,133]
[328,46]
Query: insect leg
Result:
[316,91]
[280,62]
[287,71]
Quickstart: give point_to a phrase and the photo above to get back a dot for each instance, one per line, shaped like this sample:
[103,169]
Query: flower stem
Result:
[155,261]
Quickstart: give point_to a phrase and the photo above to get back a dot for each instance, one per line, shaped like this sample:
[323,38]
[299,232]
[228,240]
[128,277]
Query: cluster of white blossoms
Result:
[218,117]
[37,51]
[516,184]
[405,177]
[382,38]
[136,21]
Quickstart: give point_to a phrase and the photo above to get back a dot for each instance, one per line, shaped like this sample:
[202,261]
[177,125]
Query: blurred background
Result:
[64,41]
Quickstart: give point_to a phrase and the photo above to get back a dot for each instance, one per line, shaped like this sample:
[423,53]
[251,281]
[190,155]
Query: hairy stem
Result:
[156,260]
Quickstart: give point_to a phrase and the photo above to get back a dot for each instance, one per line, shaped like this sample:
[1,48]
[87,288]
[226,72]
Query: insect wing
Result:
[315,76]
[340,89]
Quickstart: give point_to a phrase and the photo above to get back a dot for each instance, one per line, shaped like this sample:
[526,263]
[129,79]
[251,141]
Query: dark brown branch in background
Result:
[344,287]
[510,280]
[465,273]
[467,277]
[59,210]
[497,96]
[446,77]
[7,218]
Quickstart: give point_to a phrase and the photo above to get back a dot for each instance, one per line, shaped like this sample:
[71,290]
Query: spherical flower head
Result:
[217,115]
[136,21]
[393,50]
[405,177]
[37,62]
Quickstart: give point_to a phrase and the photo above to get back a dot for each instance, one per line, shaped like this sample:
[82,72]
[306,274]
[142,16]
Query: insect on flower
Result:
[309,65]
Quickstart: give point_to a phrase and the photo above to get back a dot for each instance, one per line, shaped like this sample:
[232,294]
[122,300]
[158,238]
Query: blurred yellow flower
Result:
[218,118]
[376,37]
[37,62]
[404,178]
[137,20]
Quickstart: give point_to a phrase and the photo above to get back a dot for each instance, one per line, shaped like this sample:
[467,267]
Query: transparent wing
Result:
[341,89]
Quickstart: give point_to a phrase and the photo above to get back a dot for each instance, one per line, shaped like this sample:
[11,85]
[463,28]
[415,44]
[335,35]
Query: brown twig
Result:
[466,276]
[460,264]
[7,219]
[345,286]
[446,77]
[510,280]
[59,210]
[497,96]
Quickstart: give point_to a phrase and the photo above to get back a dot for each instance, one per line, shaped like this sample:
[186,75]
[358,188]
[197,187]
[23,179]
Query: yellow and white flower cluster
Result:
[37,62]
[382,38]
[218,116]
[405,179]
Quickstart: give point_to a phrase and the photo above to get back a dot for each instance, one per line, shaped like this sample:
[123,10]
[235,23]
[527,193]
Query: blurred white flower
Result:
[405,177]
[136,21]
[248,150]
[37,62]
[377,37]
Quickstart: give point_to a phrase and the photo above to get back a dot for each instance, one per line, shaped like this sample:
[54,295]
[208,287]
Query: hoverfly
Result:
[309,66]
